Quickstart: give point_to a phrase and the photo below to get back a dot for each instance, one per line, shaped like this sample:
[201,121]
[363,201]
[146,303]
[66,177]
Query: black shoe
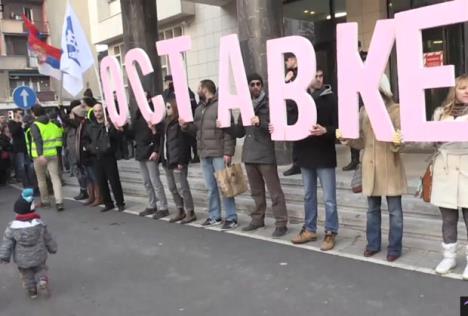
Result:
[160,214]
[59,207]
[229,225]
[121,208]
[195,159]
[148,211]
[252,227]
[351,166]
[295,169]
[82,196]
[107,208]
[279,232]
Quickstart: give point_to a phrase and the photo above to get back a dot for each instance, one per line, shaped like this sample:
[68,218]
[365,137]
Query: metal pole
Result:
[60,95]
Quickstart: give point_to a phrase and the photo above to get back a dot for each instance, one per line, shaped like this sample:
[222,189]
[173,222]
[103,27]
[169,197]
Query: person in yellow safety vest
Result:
[44,153]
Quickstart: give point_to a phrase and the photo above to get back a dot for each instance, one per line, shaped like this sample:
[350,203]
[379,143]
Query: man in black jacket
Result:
[101,141]
[258,154]
[19,146]
[316,156]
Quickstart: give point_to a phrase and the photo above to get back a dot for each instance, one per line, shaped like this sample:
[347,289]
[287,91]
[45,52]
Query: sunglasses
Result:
[256,84]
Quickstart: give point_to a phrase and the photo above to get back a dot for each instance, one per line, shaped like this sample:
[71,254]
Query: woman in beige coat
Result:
[383,174]
[450,176]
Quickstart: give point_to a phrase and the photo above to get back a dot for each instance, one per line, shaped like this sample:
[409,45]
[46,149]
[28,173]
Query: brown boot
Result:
[180,216]
[328,241]
[304,236]
[98,196]
[91,196]
[191,217]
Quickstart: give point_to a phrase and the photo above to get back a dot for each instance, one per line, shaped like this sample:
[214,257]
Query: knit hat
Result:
[24,203]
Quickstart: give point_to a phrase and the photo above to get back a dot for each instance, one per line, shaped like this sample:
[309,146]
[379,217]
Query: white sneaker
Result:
[449,260]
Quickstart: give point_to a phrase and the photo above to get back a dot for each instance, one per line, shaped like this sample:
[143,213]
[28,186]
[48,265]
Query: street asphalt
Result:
[122,265]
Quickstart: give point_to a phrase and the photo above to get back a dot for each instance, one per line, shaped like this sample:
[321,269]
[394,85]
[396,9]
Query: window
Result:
[164,35]
[16,45]
[28,12]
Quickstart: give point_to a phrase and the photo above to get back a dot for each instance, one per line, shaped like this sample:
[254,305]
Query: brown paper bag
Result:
[231,181]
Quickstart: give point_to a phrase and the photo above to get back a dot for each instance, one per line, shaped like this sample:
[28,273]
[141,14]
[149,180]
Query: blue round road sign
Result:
[24,97]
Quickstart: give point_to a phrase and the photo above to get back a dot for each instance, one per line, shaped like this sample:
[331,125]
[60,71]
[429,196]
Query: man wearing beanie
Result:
[28,241]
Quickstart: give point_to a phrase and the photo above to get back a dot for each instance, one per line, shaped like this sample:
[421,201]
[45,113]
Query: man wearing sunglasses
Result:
[258,154]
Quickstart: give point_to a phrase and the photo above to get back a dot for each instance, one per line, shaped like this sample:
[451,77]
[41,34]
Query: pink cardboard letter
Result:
[112,73]
[414,78]
[230,56]
[356,76]
[134,56]
[295,90]
[174,48]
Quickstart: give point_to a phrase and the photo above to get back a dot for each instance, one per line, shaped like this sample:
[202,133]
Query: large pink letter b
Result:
[295,90]
[414,78]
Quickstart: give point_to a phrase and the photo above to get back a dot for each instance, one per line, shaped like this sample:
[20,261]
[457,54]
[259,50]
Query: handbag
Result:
[231,181]
[356,181]
[425,189]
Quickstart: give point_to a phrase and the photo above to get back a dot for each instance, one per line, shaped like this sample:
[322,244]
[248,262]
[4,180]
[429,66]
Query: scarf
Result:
[27,217]
[259,99]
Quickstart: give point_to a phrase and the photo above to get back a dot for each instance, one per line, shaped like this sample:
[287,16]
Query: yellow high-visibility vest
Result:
[49,140]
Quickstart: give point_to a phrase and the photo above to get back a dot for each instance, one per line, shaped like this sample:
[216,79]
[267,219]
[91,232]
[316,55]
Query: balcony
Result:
[15,26]
[14,62]
[170,11]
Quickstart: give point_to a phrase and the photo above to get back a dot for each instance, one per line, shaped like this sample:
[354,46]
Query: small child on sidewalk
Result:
[28,241]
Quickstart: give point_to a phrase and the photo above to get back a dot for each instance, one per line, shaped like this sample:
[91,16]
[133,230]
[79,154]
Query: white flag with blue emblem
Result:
[76,53]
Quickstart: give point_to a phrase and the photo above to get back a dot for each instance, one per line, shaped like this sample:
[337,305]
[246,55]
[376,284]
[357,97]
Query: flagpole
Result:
[60,96]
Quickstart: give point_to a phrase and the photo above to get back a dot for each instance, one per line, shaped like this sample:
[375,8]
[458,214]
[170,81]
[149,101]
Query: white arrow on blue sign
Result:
[24,97]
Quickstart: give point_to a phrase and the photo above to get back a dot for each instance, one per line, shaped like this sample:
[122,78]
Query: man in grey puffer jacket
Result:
[28,241]
[215,149]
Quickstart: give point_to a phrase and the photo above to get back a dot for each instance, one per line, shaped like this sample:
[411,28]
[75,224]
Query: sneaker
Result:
[229,225]
[304,236]
[43,287]
[59,207]
[107,208]
[252,227]
[279,232]
[212,222]
[32,293]
[160,214]
[328,241]
[148,211]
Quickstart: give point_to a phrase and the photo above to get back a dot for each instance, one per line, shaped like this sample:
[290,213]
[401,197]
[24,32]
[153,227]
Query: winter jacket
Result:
[17,134]
[5,152]
[383,173]
[28,242]
[177,150]
[319,151]
[258,147]
[100,143]
[212,142]
[145,141]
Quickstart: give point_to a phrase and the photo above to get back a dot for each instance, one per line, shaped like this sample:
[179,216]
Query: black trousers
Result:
[108,173]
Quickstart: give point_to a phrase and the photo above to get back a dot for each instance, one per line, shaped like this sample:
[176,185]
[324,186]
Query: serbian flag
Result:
[48,57]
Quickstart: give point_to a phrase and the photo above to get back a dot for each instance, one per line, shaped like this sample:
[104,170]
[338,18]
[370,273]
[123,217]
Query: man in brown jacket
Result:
[215,149]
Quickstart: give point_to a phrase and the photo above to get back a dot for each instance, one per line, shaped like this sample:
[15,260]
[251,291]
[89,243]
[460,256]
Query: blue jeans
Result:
[374,221]
[328,181]
[210,166]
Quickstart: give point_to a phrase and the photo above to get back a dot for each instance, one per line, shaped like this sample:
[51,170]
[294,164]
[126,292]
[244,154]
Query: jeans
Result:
[328,181]
[178,185]
[210,166]
[374,220]
[153,185]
